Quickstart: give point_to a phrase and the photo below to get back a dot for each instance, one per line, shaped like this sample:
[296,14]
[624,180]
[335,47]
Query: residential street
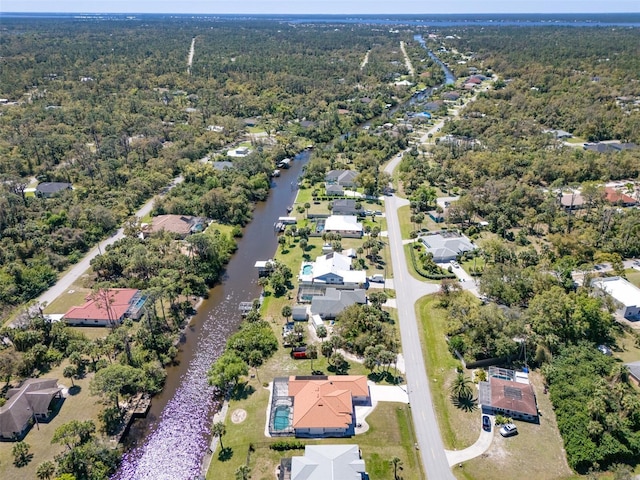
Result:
[408,291]
[64,283]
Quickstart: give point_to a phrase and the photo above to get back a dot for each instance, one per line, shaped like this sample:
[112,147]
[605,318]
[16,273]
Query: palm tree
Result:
[45,470]
[219,430]
[307,206]
[396,463]
[242,473]
[461,386]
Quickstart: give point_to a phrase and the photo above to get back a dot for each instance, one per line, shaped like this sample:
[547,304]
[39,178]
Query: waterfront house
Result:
[31,401]
[331,270]
[344,207]
[344,178]
[324,406]
[106,308]
[180,226]
[334,301]
[345,225]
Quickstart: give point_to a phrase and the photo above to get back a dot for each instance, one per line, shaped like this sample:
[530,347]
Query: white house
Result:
[322,462]
[345,225]
[625,293]
[332,269]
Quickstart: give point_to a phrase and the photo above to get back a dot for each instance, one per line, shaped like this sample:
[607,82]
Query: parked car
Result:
[605,350]
[508,430]
[378,278]
[454,264]
[299,353]
[486,423]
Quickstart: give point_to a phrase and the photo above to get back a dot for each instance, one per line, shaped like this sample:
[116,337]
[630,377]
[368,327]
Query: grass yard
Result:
[459,429]
[71,298]
[537,449]
[391,434]
[633,276]
[412,270]
[80,406]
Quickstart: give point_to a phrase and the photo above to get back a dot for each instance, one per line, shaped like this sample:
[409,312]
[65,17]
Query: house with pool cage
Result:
[317,406]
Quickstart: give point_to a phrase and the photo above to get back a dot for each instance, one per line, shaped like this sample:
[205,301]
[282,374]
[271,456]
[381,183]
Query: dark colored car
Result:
[486,423]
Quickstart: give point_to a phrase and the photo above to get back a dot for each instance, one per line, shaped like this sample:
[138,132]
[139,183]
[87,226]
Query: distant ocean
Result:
[440,20]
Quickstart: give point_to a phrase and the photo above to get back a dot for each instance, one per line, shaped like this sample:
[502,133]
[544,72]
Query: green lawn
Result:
[536,450]
[412,270]
[633,276]
[391,434]
[80,406]
[71,298]
[458,428]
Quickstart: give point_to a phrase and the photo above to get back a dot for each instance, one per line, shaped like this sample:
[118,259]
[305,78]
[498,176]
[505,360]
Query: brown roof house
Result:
[318,406]
[31,401]
[107,308]
[508,393]
[179,225]
[618,198]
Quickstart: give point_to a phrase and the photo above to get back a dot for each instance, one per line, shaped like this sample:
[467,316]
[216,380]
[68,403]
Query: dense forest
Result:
[510,171]
[112,108]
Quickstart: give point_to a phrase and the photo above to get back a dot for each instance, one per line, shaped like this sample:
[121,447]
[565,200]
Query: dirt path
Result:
[407,61]
[365,60]
[192,52]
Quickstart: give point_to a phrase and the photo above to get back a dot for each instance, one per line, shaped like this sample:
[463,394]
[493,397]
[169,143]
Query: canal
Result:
[170,443]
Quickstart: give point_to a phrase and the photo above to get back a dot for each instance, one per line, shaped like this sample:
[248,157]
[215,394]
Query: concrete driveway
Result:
[481,445]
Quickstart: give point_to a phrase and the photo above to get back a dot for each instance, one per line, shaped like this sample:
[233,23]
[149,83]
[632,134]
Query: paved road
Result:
[65,282]
[408,291]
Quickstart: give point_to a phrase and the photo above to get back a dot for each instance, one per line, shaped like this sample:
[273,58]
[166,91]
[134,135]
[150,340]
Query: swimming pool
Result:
[281,417]
[140,302]
[307,269]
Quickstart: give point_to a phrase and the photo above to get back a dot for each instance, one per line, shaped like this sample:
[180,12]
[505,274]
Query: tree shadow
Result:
[75,390]
[382,376]
[225,454]
[242,391]
[465,402]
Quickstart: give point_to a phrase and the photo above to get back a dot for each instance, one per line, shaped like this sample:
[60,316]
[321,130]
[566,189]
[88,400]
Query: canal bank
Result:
[172,441]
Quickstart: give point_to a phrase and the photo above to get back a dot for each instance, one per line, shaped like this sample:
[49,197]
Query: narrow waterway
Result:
[171,442]
[175,435]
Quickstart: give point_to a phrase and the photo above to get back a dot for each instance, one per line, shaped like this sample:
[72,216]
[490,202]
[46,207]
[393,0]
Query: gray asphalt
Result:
[408,291]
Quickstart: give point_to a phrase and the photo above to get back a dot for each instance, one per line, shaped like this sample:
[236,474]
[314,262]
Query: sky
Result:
[321,6]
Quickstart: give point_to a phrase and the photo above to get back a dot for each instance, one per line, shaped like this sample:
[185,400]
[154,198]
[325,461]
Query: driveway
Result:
[483,443]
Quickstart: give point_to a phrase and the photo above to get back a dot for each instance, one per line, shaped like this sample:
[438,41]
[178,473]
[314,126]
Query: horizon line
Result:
[317,13]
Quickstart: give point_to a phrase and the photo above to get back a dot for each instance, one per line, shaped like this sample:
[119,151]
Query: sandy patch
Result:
[239,416]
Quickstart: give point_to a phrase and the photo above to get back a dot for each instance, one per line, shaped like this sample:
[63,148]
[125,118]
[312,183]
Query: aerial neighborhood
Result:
[313,249]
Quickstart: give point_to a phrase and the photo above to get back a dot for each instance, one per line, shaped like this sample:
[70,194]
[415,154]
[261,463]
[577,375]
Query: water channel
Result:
[175,434]
[171,442]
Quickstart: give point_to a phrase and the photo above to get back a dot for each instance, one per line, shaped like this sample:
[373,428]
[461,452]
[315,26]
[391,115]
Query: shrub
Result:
[282,445]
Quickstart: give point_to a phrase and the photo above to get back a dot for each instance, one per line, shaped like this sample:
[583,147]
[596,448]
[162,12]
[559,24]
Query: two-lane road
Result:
[408,291]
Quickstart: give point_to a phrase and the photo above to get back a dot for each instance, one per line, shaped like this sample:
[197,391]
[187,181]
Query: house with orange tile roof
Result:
[615,197]
[324,406]
[107,307]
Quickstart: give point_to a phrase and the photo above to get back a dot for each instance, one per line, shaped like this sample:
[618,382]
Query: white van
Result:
[378,278]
